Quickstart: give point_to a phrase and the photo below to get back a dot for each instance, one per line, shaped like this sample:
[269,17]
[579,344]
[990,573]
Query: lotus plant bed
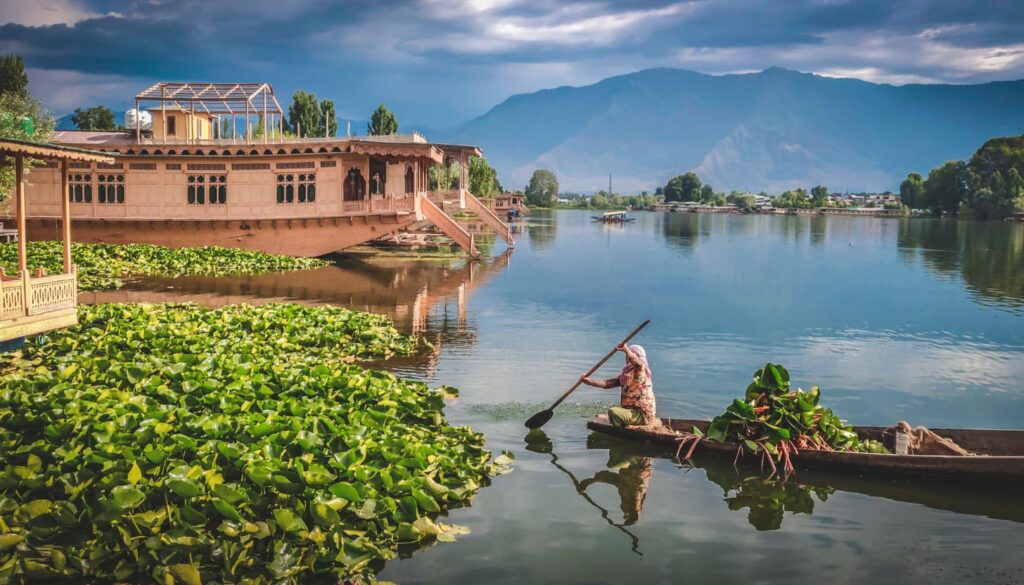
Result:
[102,266]
[177,444]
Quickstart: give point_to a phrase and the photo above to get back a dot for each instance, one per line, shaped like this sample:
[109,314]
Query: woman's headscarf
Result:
[640,362]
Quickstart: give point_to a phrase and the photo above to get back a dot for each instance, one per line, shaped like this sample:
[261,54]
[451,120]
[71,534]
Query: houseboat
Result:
[209,164]
[613,217]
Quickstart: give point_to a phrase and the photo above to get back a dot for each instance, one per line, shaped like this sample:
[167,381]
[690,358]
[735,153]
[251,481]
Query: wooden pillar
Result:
[138,122]
[65,213]
[248,130]
[163,110]
[266,123]
[19,193]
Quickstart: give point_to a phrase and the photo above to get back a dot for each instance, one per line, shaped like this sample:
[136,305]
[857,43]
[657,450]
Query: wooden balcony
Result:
[32,304]
[36,303]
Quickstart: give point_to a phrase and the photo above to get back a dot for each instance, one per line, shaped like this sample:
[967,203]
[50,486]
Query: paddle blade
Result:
[540,419]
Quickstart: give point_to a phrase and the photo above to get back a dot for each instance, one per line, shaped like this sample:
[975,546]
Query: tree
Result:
[444,177]
[912,191]
[94,118]
[819,195]
[947,186]
[707,193]
[304,115]
[483,179]
[22,117]
[382,122]
[685,187]
[13,78]
[543,189]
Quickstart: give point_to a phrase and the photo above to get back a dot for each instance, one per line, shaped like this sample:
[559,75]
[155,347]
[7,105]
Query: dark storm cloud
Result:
[448,59]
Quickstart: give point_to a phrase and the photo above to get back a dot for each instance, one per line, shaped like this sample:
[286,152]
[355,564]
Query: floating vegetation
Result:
[775,423]
[237,445]
[520,411]
[102,266]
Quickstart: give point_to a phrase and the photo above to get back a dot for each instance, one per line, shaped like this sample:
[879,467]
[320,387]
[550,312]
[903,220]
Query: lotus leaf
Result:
[102,266]
[240,444]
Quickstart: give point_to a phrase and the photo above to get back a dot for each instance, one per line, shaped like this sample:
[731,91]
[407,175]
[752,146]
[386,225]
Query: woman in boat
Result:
[636,402]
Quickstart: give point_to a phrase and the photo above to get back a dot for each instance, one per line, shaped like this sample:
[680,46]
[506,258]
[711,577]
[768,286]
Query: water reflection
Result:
[988,256]
[683,230]
[631,481]
[766,501]
[427,298]
[543,228]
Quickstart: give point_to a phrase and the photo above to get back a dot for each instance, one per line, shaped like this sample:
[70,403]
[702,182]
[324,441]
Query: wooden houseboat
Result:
[193,177]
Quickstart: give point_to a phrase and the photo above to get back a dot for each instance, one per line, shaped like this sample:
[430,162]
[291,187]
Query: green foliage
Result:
[13,78]
[101,266]
[543,189]
[234,445]
[744,203]
[819,195]
[793,200]
[444,177]
[912,191]
[22,117]
[382,122]
[685,187]
[94,118]
[771,421]
[707,193]
[306,116]
[483,179]
[947,186]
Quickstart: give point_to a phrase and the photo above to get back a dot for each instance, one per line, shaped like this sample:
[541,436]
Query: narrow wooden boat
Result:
[1000,453]
[613,217]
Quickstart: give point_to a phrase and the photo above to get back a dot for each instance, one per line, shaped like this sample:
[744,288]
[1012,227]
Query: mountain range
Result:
[773,130]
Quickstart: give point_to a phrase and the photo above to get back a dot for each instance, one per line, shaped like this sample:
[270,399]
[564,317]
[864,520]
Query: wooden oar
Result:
[541,418]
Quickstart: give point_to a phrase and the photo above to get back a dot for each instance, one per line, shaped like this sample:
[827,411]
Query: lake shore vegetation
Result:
[103,266]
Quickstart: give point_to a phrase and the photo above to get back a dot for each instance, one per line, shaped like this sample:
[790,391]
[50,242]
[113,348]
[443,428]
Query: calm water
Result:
[896,319]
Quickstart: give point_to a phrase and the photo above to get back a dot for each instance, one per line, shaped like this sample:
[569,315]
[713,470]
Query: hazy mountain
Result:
[771,130]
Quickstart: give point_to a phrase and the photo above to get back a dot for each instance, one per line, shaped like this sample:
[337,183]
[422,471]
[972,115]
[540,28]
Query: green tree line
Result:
[988,186]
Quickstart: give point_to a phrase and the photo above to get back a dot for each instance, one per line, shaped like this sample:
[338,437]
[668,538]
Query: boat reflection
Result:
[425,298]
[767,501]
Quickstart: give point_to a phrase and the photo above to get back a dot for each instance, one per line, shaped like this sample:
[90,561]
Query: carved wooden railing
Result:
[12,299]
[52,293]
[45,294]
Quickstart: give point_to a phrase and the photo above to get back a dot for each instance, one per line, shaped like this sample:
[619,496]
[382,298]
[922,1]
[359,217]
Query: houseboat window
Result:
[296,187]
[80,188]
[110,188]
[408,179]
[218,189]
[172,127]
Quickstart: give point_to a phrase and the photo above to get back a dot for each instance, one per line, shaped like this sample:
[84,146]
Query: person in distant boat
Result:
[636,402]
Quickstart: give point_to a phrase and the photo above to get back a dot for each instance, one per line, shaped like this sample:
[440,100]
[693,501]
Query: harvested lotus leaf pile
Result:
[775,423]
[101,266]
[176,444]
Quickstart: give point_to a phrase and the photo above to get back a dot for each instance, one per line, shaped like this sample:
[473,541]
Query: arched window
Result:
[355,186]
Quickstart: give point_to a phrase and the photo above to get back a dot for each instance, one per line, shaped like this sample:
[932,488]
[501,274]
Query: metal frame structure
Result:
[216,100]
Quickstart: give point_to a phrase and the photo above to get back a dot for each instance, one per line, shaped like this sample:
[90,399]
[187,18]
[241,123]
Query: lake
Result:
[896,319]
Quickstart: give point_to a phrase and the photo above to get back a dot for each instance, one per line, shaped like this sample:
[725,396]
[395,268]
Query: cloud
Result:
[43,12]
[441,61]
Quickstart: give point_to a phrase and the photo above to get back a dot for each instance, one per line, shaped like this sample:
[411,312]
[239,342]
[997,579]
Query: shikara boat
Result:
[1000,454]
[613,217]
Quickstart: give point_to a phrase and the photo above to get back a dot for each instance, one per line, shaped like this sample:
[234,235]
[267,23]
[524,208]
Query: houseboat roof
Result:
[125,143]
[48,151]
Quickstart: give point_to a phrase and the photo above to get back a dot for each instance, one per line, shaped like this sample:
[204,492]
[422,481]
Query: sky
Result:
[438,63]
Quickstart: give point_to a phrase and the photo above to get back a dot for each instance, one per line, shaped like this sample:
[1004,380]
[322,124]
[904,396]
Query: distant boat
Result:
[613,217]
